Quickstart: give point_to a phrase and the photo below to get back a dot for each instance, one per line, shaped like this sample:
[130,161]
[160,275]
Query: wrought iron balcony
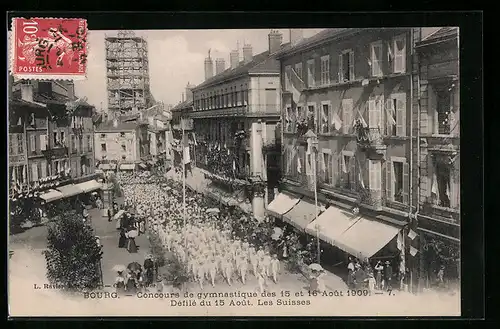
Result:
[370,139]
[56,151]
[371,198]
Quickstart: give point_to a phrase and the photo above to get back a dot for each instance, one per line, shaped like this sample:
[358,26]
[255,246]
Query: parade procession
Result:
[300,169]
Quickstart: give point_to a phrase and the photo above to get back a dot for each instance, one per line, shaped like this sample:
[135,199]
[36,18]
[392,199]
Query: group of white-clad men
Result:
[211,254]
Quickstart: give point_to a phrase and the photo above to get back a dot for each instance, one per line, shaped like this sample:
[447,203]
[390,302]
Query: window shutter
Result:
[43,169]
[352,171]
[335,168]
[401,115]
[389,182]
[406,183]
[371,113]
[351,65]
[369,165]
[34,171]
[341,69]
[378,111]
[43,142]
[33,143]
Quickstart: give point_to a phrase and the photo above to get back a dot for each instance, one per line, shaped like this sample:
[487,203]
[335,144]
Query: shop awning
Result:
[331,224]
[51,195]
[89,186]
[301,214]
[107,166]
[127,166]
[366,237]
[281,204]
[70,190]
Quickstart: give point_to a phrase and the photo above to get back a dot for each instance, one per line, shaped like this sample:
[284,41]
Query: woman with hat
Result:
[388,275]
[149,269]
[378,276]
[120,283]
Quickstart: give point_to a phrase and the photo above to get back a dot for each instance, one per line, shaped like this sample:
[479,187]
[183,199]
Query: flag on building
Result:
[296,85]
[360,176]
[336,121]
[194,139]
[299,166]
[389,51]
[413,251]
[412,235]
[234,165]
[363,122]
[343,164]
[434,187]
[390,112]
[399,241]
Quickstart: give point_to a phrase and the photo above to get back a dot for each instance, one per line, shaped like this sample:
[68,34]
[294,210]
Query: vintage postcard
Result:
[289,172]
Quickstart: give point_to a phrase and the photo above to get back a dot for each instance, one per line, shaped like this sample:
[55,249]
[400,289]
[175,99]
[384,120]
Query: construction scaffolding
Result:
[127,74]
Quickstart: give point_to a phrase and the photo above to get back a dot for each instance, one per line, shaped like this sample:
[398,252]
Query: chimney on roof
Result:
[296,36]
[275,40]
[189,92]
[115,122]
[220,65]
[27,92]
[209,67]
[247,53]
[234,58]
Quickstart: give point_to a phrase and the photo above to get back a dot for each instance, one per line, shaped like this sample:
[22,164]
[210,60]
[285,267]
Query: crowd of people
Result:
[214,245]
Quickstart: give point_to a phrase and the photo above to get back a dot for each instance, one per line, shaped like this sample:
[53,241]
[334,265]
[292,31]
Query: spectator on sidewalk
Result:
[388,276]
[149,269]
[378,276]
[350,271]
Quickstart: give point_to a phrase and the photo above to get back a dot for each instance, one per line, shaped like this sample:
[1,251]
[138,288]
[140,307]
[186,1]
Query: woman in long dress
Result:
[122,241]
[131,246]
[120,283]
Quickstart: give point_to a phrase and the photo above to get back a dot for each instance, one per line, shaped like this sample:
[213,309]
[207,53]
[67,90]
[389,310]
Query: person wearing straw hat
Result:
[243,267]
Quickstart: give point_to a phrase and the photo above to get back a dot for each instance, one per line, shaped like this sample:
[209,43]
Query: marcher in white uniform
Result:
[275,266]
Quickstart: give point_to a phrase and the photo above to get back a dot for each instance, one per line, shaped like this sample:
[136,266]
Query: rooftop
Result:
[261,63]
[315,39]
[443,34]
[183,105]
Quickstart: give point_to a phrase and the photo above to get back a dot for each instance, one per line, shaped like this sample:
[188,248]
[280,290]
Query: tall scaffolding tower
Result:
[127,74]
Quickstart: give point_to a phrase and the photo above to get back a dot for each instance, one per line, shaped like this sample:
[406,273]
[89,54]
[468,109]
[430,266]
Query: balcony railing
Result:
[58,151]
[450,214]
[370,138]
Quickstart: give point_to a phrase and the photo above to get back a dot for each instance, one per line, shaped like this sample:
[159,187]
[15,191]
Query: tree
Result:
[73,256]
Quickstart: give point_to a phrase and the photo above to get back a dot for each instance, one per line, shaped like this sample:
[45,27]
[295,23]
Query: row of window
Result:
[41,169]
[346,172]
[396,55]
[105,149]
[222,99]
[388,115]
[16,145]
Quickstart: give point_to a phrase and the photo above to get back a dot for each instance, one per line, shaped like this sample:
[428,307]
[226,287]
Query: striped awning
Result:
[89,186]
[107,166]
[127,166]
[70,190]
[51,195]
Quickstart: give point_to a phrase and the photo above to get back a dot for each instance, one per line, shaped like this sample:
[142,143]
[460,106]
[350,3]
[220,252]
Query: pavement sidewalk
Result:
[112,255]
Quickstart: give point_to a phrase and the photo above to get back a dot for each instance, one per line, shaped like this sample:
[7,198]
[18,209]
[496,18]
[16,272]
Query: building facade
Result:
[352,91]
[58,132]
[121,145]
[235,114]
[439,156]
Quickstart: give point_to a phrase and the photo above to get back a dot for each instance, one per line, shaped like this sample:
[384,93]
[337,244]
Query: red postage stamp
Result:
[49,48]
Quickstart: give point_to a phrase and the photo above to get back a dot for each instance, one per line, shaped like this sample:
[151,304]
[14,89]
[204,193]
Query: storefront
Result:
[440,261]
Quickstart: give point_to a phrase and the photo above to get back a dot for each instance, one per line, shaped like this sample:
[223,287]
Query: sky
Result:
[175,58]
